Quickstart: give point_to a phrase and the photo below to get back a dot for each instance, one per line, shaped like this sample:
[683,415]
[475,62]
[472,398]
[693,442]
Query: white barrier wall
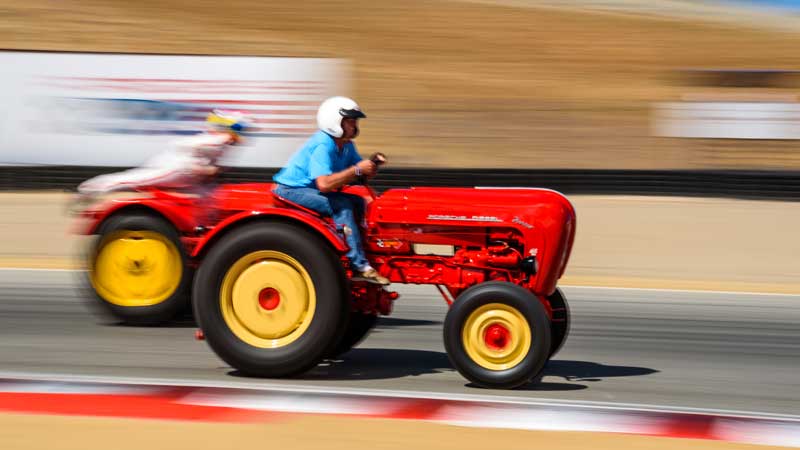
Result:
[728,120]
[118,109]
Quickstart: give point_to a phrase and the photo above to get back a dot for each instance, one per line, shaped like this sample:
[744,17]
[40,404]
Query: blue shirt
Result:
[319,156]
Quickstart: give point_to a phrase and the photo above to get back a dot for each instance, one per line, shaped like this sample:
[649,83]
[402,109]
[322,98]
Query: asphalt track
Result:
[680,349]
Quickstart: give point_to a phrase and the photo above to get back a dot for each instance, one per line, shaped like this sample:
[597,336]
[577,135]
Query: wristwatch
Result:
[358,171]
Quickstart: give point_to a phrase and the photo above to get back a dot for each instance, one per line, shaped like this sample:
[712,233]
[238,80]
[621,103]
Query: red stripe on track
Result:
[417,409]
[174,403]
[128,406]
[690,427]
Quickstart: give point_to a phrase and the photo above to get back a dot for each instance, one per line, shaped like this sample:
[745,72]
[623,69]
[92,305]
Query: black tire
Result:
[526,304]
[325,270]
[561,323]
[359,328]
[164,311]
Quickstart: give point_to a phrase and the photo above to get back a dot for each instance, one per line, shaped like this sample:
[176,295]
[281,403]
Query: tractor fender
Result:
[300,217]
[170,212]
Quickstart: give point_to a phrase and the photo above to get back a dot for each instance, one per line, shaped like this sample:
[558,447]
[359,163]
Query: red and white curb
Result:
[231,404]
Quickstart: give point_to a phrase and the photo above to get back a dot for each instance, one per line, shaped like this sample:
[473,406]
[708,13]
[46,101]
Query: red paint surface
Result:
[489,230]
[497,337]
[269,299]
[167,404]
[163,407]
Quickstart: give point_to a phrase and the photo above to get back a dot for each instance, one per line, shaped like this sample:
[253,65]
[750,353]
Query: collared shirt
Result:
[319,156]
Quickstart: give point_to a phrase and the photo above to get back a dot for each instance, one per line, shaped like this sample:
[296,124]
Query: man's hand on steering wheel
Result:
[366,168]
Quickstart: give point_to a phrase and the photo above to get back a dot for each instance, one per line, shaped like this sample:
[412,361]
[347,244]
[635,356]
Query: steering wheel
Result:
[379,159]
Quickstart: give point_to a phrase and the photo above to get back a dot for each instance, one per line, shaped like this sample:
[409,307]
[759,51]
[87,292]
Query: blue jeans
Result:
[345,209]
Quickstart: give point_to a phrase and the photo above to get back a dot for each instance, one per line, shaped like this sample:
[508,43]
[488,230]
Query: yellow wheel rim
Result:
[496,336]
[136,268]
[267,299]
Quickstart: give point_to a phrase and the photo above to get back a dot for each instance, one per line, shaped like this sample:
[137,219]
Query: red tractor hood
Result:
[545,218]
[481,205]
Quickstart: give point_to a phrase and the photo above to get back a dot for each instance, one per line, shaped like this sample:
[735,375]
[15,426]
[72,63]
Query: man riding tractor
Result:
[268,287]
[327,162]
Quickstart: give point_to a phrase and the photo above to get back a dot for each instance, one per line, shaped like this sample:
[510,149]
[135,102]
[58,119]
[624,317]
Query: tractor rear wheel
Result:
[138,269]
[497,335]
[270,299]
[359,328]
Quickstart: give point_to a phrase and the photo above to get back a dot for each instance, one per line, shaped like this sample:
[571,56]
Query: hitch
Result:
[370,298]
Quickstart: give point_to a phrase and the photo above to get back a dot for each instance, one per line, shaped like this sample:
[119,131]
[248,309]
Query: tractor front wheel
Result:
[561,321]
[497,335]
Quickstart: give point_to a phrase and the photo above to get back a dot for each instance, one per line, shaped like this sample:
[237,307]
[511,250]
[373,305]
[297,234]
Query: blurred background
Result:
[499,84]
[672,126]
[673,99]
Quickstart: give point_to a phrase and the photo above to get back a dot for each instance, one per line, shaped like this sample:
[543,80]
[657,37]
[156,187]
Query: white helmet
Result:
[333,110]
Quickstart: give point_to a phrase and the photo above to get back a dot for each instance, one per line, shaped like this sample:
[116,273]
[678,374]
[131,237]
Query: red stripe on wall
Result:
[238,90]
[185,80]
[248,102]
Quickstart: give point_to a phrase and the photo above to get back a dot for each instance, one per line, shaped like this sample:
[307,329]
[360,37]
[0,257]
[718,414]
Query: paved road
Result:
[682,349]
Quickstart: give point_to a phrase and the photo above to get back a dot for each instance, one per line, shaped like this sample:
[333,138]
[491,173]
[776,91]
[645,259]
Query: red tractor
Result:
[272,292]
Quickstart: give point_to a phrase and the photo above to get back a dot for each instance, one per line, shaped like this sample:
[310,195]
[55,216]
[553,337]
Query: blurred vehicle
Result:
[273,294]
[190,164]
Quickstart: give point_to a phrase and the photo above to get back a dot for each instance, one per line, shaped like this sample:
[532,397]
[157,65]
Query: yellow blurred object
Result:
[136,268]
